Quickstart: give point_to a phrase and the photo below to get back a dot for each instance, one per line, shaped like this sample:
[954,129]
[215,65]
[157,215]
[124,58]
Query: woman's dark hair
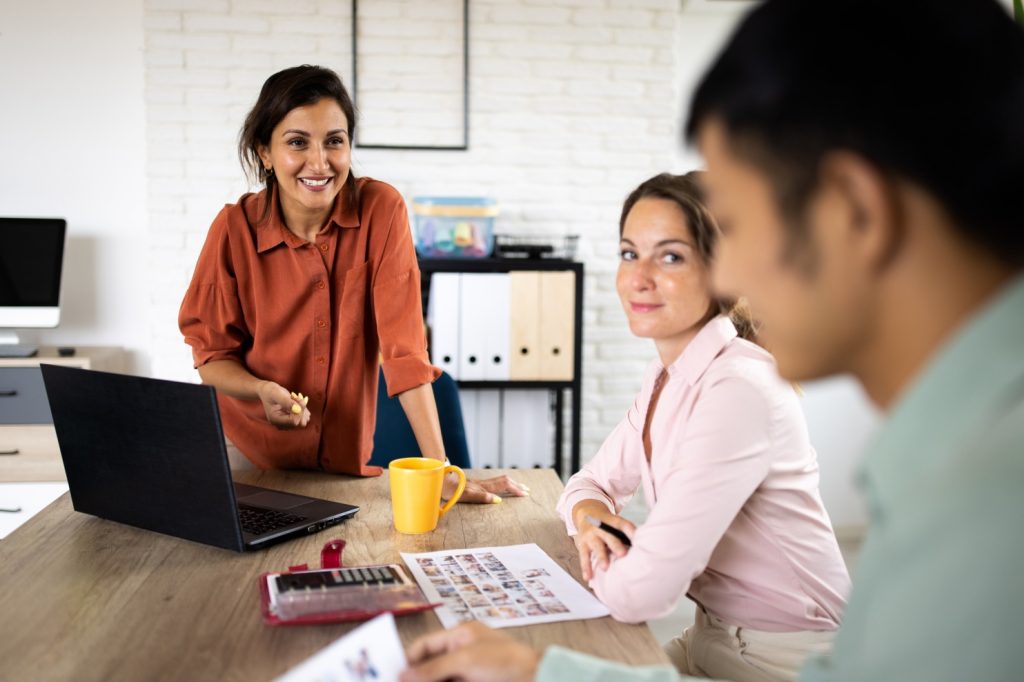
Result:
[298,86]
[927,91]
[686,192]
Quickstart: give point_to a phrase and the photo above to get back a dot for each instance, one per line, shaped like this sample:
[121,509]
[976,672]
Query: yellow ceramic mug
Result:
[416,492]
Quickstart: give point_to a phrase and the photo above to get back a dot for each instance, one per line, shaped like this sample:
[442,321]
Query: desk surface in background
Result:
[83,598]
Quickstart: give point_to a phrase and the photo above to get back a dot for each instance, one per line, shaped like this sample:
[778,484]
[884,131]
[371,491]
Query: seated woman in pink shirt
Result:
[719,445]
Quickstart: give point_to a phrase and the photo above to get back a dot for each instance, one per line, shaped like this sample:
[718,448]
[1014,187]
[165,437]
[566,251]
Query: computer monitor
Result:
[31,261]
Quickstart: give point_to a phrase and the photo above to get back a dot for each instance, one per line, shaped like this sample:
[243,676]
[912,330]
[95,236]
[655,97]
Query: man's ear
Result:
[870,206]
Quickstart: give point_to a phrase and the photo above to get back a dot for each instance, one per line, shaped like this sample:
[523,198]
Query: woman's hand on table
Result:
[485,491]
[596,546]
[472,652]
[280,406]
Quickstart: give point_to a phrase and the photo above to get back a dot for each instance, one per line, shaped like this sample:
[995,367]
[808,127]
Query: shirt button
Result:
[323,247]
[320,360]
[320,284]
[321,324]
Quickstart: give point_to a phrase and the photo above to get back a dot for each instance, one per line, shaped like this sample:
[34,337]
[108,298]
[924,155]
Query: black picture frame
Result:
[465,87]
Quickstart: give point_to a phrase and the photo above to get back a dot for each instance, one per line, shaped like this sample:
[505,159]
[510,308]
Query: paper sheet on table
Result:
[370,653]
[501,586]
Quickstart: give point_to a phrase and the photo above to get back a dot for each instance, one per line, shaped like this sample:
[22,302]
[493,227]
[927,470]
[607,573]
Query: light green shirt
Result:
[939,590]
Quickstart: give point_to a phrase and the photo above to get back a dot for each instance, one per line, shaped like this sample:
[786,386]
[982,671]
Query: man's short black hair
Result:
[931,91]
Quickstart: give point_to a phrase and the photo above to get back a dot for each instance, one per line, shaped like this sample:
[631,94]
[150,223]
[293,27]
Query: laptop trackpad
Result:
[274,500]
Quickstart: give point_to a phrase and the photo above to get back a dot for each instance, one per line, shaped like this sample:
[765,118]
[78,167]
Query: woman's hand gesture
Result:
[284,410]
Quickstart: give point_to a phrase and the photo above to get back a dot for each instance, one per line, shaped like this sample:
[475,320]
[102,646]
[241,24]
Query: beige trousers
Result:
[713,648]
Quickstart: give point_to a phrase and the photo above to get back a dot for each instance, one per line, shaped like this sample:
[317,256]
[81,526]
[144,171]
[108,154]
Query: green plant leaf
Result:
[1018,10]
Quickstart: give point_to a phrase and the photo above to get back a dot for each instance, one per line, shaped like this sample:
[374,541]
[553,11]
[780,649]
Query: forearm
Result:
[589,486]
[231,378]
[586,508]
[559,664]
[610,478]
[421,411]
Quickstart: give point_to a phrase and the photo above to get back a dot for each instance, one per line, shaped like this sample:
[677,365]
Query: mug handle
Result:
[458,491]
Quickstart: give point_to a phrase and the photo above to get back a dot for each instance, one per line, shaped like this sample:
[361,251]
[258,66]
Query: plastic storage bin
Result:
[454,227]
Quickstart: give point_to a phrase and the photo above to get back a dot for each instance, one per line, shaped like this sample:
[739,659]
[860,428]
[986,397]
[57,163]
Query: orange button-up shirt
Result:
[313,317]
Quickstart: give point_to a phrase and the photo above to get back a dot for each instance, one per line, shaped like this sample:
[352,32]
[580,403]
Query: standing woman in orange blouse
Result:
[302,287]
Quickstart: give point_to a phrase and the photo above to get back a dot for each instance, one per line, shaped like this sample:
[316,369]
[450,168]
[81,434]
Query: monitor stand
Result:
[11,348]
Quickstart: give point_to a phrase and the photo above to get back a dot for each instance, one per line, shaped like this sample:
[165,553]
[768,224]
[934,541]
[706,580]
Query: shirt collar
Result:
[272,231]
[962,390]
[703,349]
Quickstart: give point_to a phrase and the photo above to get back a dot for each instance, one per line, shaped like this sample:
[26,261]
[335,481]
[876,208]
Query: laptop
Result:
[150,453]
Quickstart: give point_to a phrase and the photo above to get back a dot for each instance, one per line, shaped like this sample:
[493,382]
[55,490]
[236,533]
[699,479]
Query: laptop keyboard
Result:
[257,521]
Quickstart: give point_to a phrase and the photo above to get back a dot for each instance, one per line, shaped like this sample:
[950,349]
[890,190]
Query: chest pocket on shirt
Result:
[352,309]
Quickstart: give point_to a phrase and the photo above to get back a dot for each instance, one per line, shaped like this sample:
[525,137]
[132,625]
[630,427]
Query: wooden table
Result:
[87,599]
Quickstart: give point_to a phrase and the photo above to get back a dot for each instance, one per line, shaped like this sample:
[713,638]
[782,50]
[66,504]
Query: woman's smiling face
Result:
[662,280]
[310,154]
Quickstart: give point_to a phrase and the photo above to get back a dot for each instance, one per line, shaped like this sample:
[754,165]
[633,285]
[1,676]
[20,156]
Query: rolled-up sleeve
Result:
[560,664]
[720,460]
[211,317]
[612,476]
[398,309]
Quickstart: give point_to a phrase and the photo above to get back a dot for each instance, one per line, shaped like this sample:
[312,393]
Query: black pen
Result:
[611,529]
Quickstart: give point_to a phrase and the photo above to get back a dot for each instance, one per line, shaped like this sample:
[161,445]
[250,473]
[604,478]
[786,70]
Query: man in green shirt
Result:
[866,165]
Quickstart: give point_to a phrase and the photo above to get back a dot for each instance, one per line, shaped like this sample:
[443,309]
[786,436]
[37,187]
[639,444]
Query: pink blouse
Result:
[735,518]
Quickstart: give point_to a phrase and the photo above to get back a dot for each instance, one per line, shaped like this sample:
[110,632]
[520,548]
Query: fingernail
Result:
[495,499]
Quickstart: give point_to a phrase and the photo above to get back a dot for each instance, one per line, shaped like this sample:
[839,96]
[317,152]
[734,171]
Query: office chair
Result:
[393,437]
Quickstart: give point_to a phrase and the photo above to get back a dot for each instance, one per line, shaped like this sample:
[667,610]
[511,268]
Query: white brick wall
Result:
[570,109]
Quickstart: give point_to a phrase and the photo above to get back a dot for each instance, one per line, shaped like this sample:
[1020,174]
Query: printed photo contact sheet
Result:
[501,586]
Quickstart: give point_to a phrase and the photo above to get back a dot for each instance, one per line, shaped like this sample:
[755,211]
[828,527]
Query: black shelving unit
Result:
[428,266]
